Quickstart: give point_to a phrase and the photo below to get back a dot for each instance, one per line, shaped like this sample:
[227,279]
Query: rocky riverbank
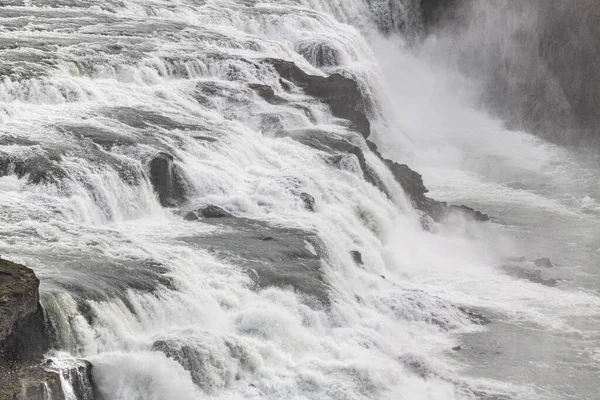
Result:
[24,339]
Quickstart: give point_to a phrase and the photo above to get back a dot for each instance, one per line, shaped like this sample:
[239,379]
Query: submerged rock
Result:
[341,94]
[38,168]
[267,93]
[270,255]
[209,211]
[308,200]
[167,180]
[320,54]
[543,262]
[534,276]
[357,257]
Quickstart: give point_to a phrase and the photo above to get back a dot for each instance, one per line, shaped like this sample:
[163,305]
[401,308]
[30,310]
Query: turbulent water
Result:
[166,308]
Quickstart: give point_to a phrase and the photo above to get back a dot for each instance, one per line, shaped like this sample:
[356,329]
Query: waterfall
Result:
[209,220]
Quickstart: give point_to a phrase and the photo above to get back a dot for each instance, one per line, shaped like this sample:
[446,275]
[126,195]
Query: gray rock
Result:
[267,93]
[167,180]
[270,255]
[357,257]
[23,335]
[209,211]
[308,200]
[340,93]
[543,262]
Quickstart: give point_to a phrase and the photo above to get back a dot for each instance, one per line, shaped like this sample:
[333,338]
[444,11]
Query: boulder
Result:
[209,211]
[357,257]
[341,94]
[308,200]
[543,262]
[167,180]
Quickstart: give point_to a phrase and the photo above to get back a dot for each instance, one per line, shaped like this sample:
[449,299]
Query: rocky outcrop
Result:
[412,184]
[340,146]
[308,200]
[167,180]
[23,337]
[270,255]
[543,262]
[267,93]
[37,168]
[341,94]
[209,211]
[320,54]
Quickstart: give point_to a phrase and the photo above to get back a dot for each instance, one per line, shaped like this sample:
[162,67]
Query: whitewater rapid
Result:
[128,283]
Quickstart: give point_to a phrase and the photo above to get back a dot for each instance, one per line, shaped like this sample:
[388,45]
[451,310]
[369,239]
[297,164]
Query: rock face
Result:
[320,54]
[340,93]
[23,341]
[23,335]
[167,180]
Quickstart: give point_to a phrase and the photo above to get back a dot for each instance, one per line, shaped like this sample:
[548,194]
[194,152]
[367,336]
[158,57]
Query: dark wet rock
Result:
[79,377]
[45,382]
[457,348]
[470,213]
[104,279]
[341,94]
[167,180]
[209,211]
[476,316]
[337,145]
[418,365]
[271,255]
[143,119]
[534,276]
[543,262]
[213,362]
[23,336]
[104,138]
[414,187]
[308,200]
[357,257]
[39,169]
[320,54]
[267,93]
[285,85]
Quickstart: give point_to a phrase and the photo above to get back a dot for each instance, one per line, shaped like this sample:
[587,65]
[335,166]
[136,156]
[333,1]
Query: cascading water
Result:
[316,284]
